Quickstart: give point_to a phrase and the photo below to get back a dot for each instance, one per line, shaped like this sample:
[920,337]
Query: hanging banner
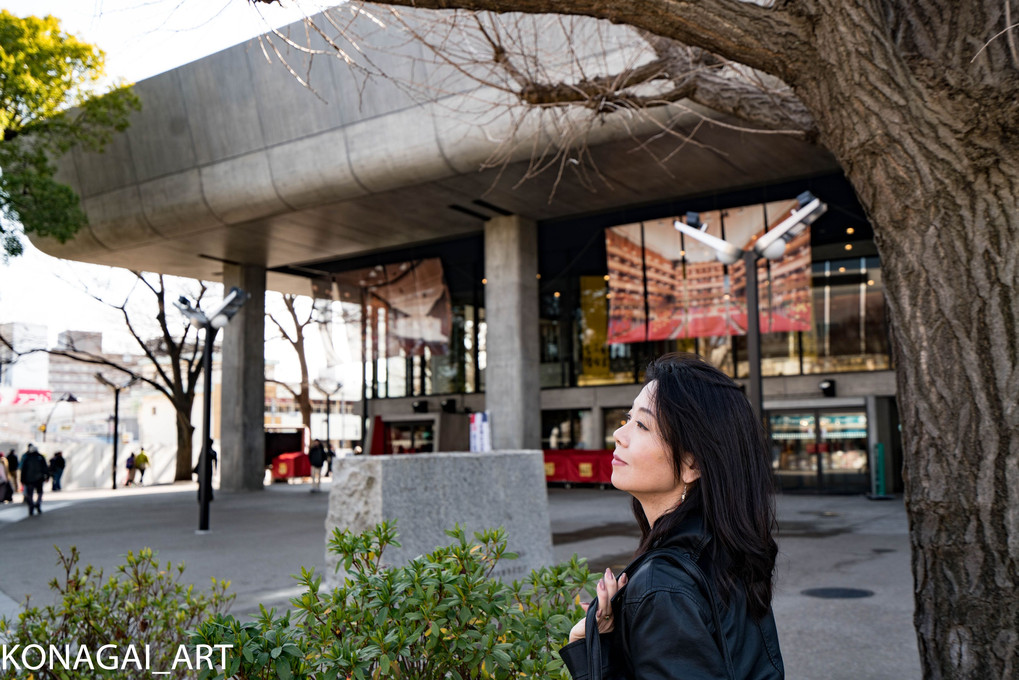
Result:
[665,287]
[407,305]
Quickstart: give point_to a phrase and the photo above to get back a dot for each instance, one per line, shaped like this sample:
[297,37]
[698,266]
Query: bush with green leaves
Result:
[143,603]
[443,615]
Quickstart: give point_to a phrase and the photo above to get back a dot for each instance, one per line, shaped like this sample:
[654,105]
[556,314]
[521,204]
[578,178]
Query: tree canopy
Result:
[48,105]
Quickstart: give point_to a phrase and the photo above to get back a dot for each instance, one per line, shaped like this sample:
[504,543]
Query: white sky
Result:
[141,38]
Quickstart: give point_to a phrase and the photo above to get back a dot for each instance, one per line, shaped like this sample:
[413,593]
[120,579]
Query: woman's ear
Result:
[690,472]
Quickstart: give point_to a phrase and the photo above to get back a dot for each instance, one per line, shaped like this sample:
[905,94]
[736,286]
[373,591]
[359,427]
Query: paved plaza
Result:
[839,545]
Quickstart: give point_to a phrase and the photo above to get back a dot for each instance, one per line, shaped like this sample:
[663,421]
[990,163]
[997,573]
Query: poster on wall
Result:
[665,287]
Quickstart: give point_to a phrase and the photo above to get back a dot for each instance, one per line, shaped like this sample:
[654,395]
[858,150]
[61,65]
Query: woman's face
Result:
[641,463]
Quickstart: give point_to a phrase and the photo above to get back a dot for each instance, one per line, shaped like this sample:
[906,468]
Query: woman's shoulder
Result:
[660,572]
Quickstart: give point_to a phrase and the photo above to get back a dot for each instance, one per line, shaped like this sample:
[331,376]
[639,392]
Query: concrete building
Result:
[235,171]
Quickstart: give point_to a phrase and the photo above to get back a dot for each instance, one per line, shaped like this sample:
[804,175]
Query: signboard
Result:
[9,396]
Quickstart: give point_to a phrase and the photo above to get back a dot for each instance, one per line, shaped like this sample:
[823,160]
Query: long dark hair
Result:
[701,412]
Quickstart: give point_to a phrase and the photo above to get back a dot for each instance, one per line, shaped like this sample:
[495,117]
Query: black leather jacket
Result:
[665,629]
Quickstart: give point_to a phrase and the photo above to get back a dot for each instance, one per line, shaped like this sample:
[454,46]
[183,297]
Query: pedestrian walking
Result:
[129,464]
[12,468]
[57,465]
[34,473]
[696,600]
[317,457]
[6,488]
[141,464]
[330,454]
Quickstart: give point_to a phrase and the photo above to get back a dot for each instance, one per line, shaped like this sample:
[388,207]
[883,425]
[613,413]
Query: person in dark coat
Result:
[317,458]
[34,473]
[57,465]
[695,603]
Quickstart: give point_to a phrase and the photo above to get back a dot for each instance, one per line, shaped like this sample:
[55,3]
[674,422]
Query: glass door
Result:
[794,451]
[820,451]
[842,443]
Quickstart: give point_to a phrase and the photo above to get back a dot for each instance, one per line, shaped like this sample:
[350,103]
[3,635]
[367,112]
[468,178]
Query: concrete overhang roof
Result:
[232,160]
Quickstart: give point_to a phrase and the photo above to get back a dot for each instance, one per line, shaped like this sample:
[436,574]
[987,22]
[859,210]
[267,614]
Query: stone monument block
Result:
[427,493]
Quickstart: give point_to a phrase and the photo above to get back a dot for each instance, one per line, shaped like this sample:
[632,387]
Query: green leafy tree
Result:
[47,107]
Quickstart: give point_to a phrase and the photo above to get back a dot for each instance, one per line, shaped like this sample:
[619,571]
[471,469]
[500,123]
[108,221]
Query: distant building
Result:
[30,371]
[71,376]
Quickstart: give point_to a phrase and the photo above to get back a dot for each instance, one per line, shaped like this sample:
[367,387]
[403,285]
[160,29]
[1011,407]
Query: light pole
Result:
[116,415]
[69,398]
[217,319]
[771,246]
[329,387]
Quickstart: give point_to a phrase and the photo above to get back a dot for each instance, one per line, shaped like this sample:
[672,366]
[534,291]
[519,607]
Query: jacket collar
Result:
[691,536]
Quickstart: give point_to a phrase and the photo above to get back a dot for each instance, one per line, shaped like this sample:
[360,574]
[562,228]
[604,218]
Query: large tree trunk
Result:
[936,170]
[185,434]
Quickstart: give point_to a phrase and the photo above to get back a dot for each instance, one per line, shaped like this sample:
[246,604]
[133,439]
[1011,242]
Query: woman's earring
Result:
[683,497]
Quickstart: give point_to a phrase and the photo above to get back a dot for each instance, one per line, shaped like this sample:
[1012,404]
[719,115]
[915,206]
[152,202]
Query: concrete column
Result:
[243,395]
[512,387]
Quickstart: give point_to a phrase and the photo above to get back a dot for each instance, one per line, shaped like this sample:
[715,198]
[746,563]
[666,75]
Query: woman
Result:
[696,600]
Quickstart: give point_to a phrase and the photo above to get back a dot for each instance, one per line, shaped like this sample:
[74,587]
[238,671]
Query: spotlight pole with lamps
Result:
[116,415]
[217,319]
[771,246]
[70,399]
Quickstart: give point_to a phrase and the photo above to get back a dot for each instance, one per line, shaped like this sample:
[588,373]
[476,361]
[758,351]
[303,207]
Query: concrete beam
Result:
[243,394]
[512,387]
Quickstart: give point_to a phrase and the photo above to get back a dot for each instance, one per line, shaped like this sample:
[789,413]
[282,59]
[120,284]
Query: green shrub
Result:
[442,615]
[142,604]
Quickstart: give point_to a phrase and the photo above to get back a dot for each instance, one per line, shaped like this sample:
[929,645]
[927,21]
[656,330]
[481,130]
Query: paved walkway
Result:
[259,539]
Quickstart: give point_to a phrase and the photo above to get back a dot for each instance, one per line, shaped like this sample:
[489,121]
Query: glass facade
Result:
[615,291]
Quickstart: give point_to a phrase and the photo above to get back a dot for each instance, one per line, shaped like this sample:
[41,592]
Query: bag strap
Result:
[593,642]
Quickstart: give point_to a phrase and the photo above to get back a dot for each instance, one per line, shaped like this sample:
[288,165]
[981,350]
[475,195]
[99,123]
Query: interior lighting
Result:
[849,246]
[850,230]
[484,282]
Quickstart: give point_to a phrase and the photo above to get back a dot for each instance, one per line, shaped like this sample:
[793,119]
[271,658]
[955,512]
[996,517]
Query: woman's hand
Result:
[607,587]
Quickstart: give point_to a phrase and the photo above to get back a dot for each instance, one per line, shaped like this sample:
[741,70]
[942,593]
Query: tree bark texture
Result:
[919,101]
[933,157]
[184,469]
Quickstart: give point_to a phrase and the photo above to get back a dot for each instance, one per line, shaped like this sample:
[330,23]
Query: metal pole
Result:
[756,389]
[343,413]
[328,436]
[116,431]
[205,461]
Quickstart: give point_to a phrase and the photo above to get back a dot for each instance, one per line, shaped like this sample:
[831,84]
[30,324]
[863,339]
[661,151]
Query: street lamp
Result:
[329,387]
[771,246]
[217,319]
[116,415]
[69,398]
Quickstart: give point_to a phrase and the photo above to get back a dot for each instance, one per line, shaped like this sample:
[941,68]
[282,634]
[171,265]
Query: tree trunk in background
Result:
[936,169]
[185,435]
